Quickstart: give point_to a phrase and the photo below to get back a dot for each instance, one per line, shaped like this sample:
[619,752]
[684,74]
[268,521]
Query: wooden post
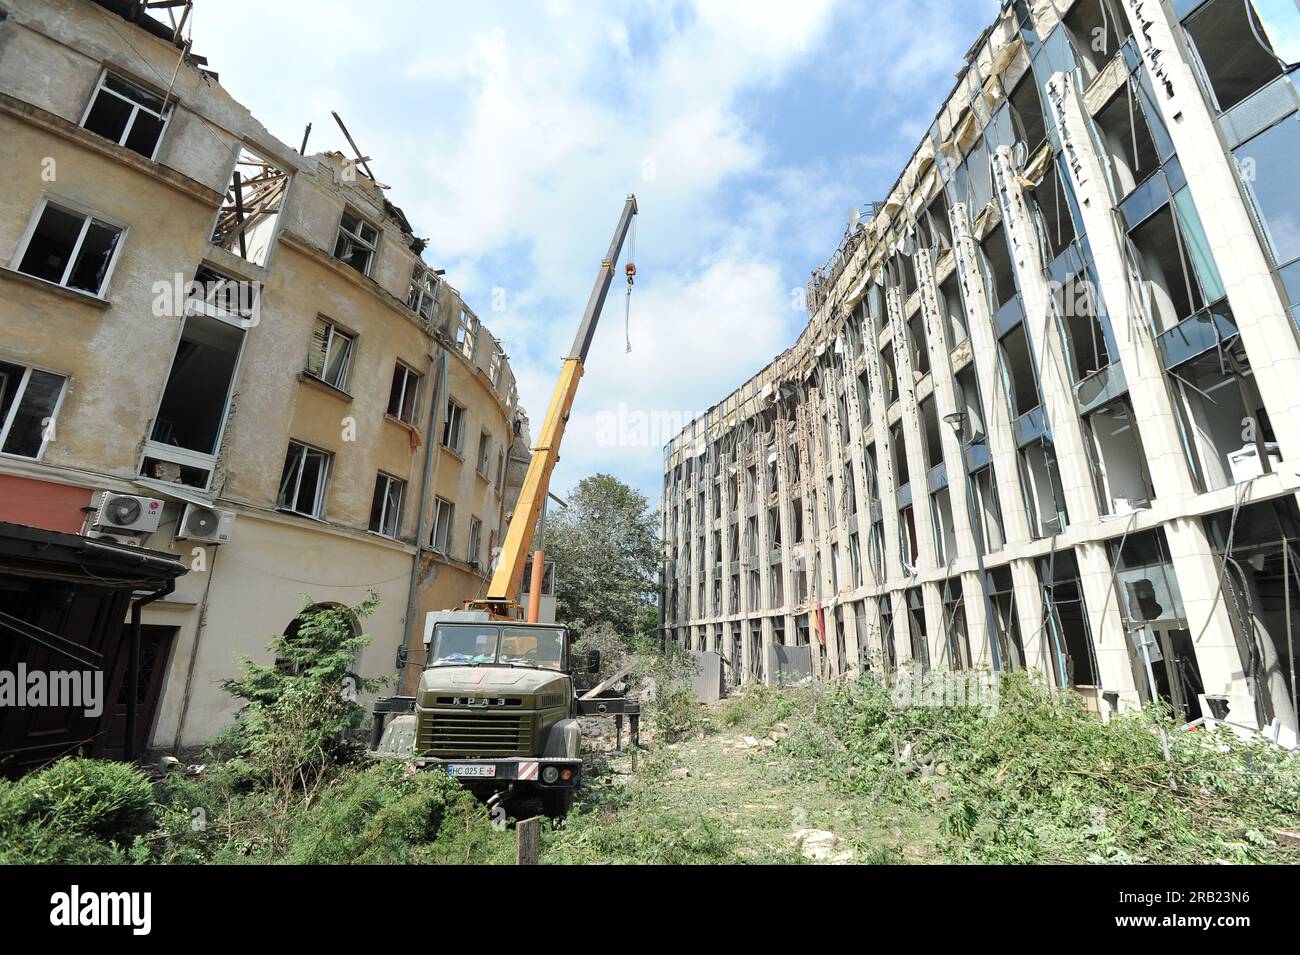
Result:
[528,841]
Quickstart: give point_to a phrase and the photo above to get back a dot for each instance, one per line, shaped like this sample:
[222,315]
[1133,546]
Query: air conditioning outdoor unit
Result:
[121,539]
[126,512]
[202,523]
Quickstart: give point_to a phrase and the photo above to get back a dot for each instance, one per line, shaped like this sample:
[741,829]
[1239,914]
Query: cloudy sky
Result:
[511,133]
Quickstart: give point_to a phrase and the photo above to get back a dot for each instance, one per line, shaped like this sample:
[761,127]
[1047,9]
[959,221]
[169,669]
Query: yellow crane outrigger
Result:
[501,600]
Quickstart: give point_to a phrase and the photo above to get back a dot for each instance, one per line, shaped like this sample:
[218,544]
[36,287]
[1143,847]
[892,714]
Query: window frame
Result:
[322,481]
[387,481]
[6,423]
[423,293]
[408,373]
[439,503]
[475,543]
[458,447]
[483,466]
[345,370]
[77,209]
[357,240]
[100,86]
[467,328]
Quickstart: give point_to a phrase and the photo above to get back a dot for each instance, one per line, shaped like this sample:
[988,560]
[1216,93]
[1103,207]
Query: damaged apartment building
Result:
[1046,411]
[217,347]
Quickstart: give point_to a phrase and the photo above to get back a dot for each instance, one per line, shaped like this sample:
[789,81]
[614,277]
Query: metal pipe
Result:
[133,668]
[539,569]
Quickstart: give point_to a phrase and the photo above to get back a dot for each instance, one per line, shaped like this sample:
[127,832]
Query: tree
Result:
[605,545]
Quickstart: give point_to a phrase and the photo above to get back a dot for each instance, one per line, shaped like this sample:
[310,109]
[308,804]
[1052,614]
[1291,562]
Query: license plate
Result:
[471,770]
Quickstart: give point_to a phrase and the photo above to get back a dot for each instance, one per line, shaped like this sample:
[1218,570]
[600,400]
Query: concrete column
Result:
[1029,614]
[1152,409]
[1105,623]
[935,631]
[1208,614]
[977,625]
[910,422]
[1054,384]
[1266,329]
[984,349]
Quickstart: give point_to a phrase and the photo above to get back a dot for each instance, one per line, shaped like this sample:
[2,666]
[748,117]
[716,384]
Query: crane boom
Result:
[504,587]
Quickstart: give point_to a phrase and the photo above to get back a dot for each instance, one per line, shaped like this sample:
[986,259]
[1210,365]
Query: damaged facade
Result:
[1045,413]
[245,340]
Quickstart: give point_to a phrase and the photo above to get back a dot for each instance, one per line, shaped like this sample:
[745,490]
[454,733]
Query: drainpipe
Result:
[133,667]
[430,472]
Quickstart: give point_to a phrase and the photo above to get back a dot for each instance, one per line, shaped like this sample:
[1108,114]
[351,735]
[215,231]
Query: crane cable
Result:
[630,270]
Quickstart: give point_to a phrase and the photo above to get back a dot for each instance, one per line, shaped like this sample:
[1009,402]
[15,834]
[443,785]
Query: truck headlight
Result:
[550,774]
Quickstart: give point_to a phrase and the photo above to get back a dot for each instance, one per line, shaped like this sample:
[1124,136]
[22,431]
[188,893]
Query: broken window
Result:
[356,242]
[302,483]
[1027,114]
[476,543]
[775,587]
[424,291]
[916,627]
[1074,659]
[1237,55]
[917,350]
[70,248]
[936,223]
[1005,624]
[1222,417]
[945,533]
[1092,28]
[988,511]
[955,633]
[980,178]
[1267,165]
[386,505]
[401,397]
[1086,329]
[885,607]
[876,549]
[873,484]
[1127,138]
[889,374]
[999,275]
[835,568]
[440,534]
[864,398]
[898,456]
[968,401]
[28,400]
[850,492]
[907,549]
[453,433]
[251,207]
[221,296]
[191,416]
[127,114]
[1118,465]
[1041,480]
[1055,213]
[1016,362]
[494,364]
[928,419]
[832,510]
[484,453]
[1175,258]
[774,527]
[330,357]
[467,333]
[855,561]
[954,315]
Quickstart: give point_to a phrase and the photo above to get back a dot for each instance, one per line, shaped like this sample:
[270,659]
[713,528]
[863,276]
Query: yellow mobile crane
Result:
[495,706]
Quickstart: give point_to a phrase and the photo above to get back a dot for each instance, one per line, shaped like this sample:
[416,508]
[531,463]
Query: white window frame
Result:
[184,456]
[423,296]
[411,379]
[357,239]
[322,481]
[7,423]
[388,481]
[475,540]
[467,326]
[441,505]
[88,215]
[458,436]
[346,369]
[100,86]
[494,364]
[484,464]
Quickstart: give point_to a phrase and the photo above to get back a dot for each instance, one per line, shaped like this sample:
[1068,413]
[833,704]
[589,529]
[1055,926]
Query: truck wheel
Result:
[557,802]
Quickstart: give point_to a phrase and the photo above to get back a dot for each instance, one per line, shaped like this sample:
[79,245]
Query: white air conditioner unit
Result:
[126,512]
[121,539]
[202,523]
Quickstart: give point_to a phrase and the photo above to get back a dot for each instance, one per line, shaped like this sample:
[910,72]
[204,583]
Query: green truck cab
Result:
[495,708]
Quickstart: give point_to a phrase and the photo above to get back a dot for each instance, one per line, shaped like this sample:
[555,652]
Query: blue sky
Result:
[511,132]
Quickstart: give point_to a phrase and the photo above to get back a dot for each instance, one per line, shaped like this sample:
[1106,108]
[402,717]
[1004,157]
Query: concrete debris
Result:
[821,845]
[779,731]
[169,764]
[680,772]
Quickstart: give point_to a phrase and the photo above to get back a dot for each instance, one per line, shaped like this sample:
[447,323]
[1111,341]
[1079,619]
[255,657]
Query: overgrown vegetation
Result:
[1040,779]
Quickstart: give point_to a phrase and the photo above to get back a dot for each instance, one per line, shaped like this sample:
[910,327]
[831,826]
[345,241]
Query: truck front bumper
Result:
[567,772]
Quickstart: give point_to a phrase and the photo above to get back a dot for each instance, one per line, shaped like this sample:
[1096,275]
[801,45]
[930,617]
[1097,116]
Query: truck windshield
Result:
[480,644]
